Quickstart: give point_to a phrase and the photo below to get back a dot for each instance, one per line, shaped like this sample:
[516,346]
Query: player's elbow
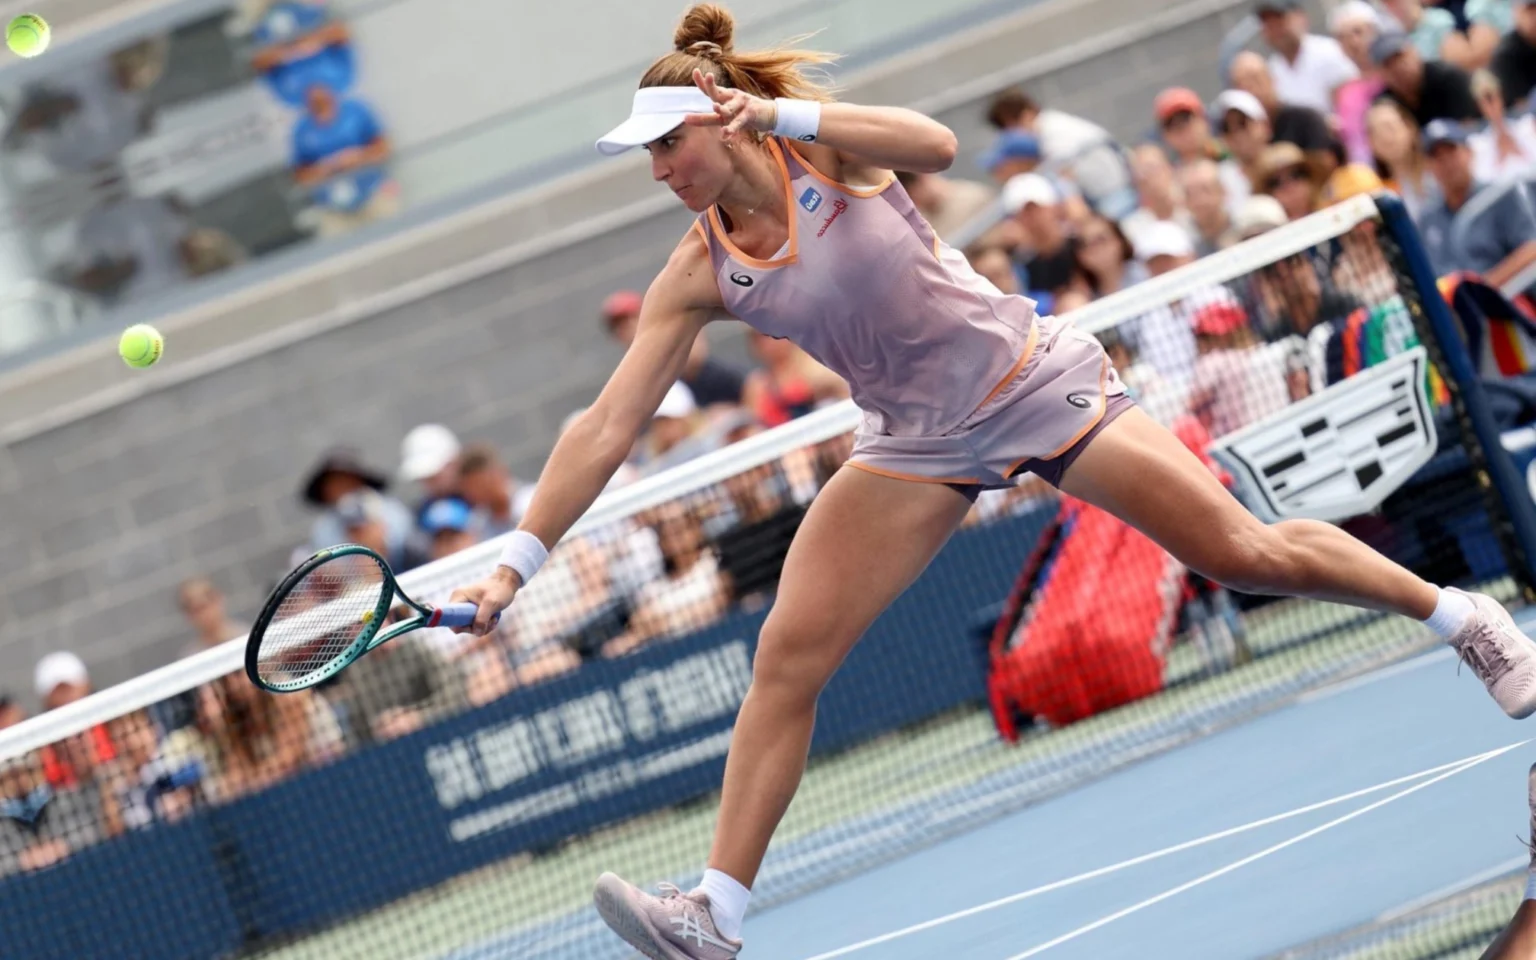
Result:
[945,148]
[605,435]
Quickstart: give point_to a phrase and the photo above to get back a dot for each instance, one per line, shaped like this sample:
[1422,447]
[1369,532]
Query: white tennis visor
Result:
[657,112]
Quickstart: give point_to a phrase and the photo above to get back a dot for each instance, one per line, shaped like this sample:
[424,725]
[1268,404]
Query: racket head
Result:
[320,618]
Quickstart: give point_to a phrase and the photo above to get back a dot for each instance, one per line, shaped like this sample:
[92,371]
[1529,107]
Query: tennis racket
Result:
[328,612]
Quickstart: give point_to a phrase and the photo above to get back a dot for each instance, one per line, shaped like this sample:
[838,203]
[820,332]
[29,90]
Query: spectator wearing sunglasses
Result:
[1284,175]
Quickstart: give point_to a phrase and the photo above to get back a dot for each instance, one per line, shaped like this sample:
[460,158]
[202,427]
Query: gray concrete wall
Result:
[103,514]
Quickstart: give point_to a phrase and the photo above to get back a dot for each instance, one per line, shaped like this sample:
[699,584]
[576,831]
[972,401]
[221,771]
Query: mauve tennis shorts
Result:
[1040,421]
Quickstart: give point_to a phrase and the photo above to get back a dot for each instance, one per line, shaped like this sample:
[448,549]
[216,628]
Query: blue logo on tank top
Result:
[810,199]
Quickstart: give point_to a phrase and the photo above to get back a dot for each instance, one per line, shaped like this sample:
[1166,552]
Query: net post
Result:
[1489,458]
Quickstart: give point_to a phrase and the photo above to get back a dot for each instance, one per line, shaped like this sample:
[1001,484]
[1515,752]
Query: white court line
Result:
[1454,767]
[1181,888]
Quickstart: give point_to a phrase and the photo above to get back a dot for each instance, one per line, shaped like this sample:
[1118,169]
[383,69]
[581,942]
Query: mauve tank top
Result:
[867,288]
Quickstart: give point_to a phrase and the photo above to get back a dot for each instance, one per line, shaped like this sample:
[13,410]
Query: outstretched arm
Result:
[678,304]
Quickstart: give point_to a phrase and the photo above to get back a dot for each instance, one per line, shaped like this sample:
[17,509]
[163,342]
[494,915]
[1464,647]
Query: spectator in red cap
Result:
[711,381]
[1181,118]
[1238,380]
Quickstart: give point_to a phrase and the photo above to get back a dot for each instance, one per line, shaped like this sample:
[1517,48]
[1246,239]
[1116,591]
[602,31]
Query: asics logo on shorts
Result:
[741,280]
[1079,401]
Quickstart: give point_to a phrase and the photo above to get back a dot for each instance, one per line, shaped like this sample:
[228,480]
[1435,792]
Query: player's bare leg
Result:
[1140,472]
[863,542]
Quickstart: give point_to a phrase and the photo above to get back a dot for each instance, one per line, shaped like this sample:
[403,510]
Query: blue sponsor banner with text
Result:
[612,741]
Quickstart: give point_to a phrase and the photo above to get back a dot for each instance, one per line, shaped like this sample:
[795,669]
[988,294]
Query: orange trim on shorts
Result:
[914,477]
[794,222]
[936,241]
[1103,405]
[862,193]
[1028,351]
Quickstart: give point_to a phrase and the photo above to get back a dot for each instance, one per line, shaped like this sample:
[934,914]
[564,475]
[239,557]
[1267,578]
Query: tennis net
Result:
[451,798]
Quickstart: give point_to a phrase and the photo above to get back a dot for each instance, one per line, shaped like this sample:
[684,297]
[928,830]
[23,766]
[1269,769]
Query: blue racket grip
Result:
[459,615]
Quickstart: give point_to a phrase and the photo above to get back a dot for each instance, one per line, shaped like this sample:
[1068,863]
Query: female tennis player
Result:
[804,233]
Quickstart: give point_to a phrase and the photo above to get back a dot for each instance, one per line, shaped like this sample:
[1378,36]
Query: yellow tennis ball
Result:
[27,35]
[141,345]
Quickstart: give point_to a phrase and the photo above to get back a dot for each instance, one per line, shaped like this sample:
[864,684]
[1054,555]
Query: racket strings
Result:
[321,616]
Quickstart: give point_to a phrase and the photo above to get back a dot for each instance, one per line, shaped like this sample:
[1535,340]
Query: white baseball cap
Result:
[1163,238]
[426,450]
[656,112]
[58,667]
[1026,188]
[1352,11]
[1242,101]
[678,402]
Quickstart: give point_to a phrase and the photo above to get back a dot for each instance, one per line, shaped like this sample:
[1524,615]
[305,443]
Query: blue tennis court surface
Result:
[1386,726]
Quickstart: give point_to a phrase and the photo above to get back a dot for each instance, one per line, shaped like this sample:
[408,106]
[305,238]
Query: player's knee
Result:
[790,664]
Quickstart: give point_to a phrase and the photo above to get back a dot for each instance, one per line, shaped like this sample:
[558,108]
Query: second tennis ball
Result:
[141,345]
[27,35]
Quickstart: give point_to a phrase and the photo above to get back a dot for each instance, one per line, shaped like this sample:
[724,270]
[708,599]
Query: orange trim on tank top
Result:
[862,193]
[702,234]
[914,477]
[1103,405]
[794,223]
[1029,351]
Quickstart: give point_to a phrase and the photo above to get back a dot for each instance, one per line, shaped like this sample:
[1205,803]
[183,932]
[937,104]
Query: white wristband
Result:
[524,553]
[798,119]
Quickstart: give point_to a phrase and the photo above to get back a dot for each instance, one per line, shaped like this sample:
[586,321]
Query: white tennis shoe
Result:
[1501,655]
[673,926]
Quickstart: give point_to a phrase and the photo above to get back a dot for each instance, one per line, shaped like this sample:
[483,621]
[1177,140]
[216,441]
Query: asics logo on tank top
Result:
[741,280]
[1079,401]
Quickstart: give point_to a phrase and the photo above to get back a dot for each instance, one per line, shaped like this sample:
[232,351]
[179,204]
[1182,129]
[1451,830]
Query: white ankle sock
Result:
[1451,614]
[727,902]
[1530,887]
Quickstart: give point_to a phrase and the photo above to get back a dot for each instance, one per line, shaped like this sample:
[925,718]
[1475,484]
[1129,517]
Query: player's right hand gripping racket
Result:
[327,613]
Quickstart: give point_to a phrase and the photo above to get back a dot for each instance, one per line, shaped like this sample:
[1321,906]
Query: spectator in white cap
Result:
[1245,128]
[1307,68]
[429,455]
[1048,257]
[1288,122]
[1164,246]
[1355,24]
[676,434]
[60,678]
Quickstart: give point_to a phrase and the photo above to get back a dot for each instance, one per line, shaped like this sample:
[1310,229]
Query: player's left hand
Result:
[735,110]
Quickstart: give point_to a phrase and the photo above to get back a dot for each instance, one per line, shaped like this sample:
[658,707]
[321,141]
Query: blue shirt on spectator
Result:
[1493,223]
[287,22]
[353,126]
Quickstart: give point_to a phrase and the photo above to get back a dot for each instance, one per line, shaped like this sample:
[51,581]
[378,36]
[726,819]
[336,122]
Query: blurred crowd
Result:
[1428,102]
